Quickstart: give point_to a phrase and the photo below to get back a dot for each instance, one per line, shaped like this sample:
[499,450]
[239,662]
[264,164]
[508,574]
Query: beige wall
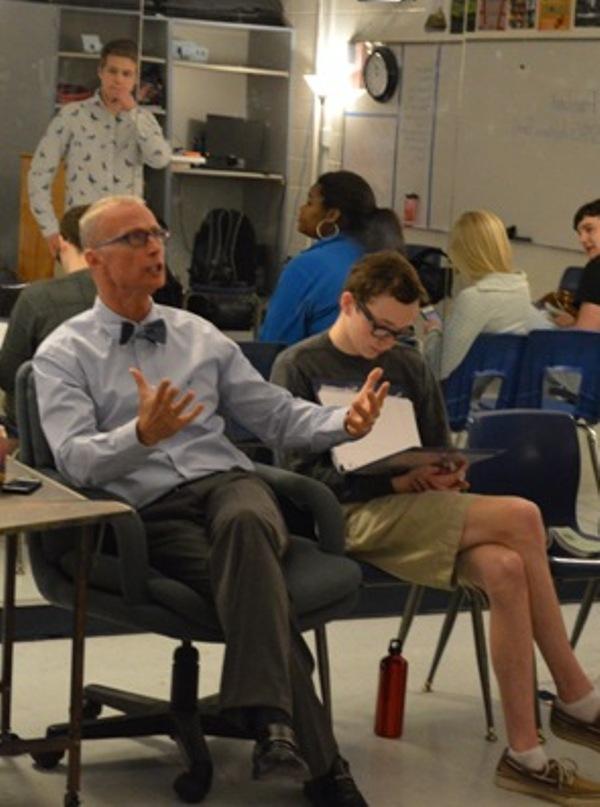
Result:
[324,23]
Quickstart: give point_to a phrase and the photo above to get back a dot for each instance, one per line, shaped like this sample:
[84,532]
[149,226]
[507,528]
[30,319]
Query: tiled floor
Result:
[443,759]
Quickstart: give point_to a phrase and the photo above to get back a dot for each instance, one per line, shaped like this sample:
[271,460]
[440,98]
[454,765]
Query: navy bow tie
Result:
[155,332]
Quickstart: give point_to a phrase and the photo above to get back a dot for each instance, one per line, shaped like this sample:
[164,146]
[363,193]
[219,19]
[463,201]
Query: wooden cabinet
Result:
[35,261]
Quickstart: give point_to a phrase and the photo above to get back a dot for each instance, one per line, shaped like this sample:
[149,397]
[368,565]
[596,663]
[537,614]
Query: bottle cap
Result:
[395,647]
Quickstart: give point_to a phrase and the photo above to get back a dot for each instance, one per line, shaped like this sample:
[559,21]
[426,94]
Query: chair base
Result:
[184,719]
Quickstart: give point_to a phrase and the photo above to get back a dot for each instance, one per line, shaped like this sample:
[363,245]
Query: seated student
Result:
[586,223]
[422,528]
[43,305]
[496,301]
[116,387]
[341,213]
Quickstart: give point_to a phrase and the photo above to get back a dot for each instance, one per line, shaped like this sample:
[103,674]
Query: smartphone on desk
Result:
[21,486]
[429,314]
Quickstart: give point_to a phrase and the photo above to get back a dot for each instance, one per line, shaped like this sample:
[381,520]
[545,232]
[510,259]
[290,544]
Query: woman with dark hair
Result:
[341,213]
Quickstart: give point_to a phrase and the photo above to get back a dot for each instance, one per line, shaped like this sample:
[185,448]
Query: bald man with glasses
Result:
[130,395]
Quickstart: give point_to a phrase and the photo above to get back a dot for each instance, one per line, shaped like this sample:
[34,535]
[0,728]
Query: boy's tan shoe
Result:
[558,782]
[574,730]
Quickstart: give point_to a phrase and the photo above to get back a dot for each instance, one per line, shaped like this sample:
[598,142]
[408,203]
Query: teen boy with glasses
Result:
[423,528]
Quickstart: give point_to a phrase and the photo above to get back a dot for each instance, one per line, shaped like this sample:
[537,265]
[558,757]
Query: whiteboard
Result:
[369,149]
[510,126]
[529,138]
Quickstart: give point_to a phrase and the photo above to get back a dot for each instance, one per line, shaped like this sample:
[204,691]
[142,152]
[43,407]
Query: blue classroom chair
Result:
[492,357]
[561,371]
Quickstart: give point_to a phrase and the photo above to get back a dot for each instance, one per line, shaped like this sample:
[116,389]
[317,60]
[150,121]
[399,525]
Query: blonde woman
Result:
[496,299]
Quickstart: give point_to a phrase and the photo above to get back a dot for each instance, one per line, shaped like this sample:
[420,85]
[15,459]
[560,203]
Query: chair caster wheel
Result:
[71,800]
[491,735]
[193,785]
[541,737]
[48,759]
[428,686]
[90,710]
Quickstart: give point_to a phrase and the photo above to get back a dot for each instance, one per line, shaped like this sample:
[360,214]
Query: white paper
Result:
[395,430]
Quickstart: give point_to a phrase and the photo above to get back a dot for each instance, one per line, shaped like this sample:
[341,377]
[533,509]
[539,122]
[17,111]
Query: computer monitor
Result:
[237,140]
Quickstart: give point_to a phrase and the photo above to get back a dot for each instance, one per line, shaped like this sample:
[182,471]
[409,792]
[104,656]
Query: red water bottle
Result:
[393,672]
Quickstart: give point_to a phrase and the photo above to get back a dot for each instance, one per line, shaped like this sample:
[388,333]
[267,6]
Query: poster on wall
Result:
[587,13]
[461,11]
[522,14]
[492,15]
[554,15]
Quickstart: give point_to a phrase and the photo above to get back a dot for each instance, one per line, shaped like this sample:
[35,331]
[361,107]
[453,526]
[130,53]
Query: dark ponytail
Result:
[376,228]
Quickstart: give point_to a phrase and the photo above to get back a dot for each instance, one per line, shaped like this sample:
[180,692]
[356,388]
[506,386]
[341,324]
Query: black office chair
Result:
[124,589]
[540,462]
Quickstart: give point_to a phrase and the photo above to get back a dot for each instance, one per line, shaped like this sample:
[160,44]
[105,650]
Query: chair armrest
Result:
[313,497]
[130,538]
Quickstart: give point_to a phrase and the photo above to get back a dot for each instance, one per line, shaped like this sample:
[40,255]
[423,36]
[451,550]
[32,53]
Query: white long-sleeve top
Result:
[104,154]
[498,303]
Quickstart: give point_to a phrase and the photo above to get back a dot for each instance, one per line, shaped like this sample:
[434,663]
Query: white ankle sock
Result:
[534,758]
[586,708]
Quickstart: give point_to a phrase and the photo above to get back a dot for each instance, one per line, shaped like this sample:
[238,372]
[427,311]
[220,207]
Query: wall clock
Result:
[381,73]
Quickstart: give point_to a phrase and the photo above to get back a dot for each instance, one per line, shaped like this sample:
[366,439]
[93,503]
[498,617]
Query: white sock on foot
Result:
[586,708]
[534,758]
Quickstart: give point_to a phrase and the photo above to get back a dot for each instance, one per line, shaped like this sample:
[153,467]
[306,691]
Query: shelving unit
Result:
[246,76]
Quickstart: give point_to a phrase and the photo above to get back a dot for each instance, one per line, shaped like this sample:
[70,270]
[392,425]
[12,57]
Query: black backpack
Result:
[224,252]
[433,270]
[223,272]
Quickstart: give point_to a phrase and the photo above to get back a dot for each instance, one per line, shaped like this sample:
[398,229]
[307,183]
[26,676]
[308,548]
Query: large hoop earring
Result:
[322,236]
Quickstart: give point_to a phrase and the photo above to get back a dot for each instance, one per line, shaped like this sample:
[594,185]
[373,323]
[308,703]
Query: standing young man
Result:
[105,142]
[421,527]
[586,224]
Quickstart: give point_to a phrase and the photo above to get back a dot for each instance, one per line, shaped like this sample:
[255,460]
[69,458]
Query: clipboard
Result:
[393,445]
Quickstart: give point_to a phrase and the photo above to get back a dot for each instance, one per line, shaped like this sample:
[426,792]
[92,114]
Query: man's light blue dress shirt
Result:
[89,404]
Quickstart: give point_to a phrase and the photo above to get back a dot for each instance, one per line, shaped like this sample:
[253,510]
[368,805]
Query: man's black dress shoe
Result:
[277,756]
[336,788]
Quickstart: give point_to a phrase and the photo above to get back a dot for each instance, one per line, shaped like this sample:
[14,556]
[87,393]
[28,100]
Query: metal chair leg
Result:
[454,605]
[411,609]
[322,653]
[536,702]
[482,662]
[592,440]
[584,609]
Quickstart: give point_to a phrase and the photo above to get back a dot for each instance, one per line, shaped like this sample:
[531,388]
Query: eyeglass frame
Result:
[384,331]
[154,232]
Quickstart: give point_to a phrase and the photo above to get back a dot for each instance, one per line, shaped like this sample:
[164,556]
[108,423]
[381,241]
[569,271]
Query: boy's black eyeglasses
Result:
[380,331]
[136,238]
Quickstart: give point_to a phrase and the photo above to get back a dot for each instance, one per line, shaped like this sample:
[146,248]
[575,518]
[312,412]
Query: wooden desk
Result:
[53,505]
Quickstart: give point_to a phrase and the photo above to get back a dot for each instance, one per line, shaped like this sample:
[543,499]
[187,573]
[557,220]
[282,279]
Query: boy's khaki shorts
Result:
[413,536]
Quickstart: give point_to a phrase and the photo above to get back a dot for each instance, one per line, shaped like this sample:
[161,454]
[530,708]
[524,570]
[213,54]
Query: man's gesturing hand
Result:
[160,415]
[365,408]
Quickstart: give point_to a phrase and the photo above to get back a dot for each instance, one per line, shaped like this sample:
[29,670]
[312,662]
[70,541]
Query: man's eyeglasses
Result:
[136,238]
[380,331]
